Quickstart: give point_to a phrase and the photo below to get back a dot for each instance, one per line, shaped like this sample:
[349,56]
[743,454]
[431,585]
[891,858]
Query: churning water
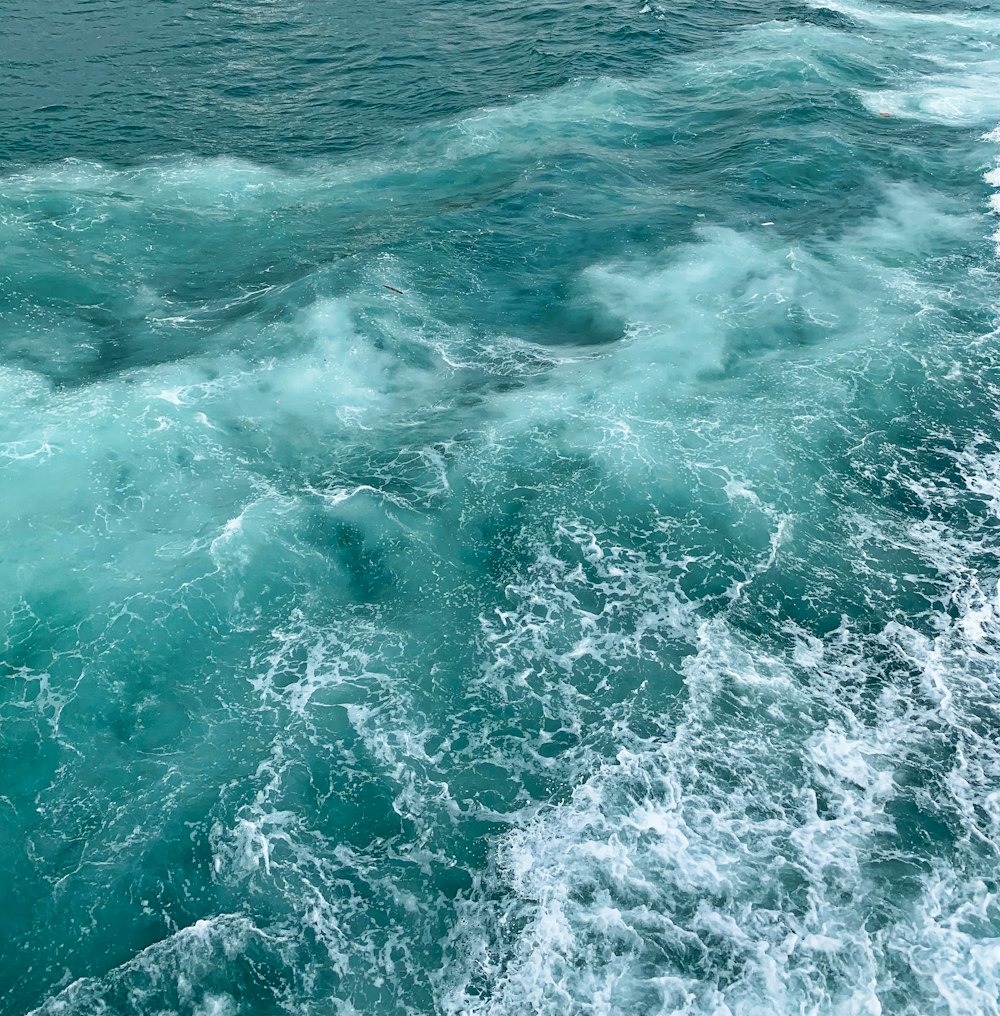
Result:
[605,623]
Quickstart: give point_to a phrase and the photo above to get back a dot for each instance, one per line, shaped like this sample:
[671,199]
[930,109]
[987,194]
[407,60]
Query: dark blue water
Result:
[499,508]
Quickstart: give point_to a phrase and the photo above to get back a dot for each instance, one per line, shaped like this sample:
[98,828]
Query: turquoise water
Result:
[606,623]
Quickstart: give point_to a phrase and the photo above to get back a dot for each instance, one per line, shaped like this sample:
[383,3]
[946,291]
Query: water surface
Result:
[606,623]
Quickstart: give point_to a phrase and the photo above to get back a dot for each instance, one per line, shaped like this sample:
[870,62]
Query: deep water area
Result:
[499,508]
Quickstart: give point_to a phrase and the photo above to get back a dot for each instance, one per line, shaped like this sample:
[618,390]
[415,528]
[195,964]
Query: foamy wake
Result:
[766,855]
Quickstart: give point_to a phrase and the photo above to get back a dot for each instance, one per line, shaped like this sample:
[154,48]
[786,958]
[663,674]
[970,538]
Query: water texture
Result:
[605,623]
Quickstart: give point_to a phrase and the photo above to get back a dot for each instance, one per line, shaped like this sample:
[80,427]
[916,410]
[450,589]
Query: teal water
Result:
[607,623]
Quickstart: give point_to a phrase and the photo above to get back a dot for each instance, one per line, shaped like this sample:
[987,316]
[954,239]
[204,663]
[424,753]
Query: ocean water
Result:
[607,622]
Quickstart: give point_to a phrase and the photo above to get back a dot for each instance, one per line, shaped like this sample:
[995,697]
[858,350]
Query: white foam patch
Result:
[175,970]
[757,860]
[963,97]
[920,21]
[544,119]
[722,305]
[340,372]
[993,179]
